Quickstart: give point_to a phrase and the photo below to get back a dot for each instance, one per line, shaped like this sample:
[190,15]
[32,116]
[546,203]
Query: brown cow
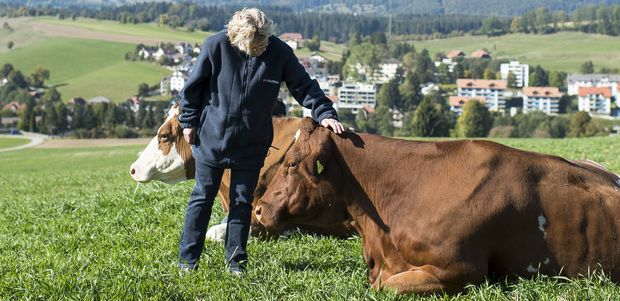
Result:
[169,158]
[436,216]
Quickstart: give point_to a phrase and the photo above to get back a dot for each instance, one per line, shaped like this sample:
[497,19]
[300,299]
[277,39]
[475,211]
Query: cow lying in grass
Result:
[436,216]
[168,158]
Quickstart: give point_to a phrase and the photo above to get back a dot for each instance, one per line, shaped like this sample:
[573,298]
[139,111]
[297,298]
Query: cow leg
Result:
[417,281]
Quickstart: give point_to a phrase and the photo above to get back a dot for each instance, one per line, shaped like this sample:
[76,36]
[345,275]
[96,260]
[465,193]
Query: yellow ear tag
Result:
[319,167]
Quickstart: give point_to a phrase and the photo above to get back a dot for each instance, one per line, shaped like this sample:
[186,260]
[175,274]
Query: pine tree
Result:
[426,120]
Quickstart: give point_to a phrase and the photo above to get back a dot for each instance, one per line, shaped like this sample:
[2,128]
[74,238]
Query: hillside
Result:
[376,7]
[86,58]
[88,61]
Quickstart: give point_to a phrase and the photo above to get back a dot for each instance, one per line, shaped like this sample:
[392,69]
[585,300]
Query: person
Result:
[226,107]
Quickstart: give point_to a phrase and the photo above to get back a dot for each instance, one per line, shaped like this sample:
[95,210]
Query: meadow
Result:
[75,226]
[81,67]
[564,51]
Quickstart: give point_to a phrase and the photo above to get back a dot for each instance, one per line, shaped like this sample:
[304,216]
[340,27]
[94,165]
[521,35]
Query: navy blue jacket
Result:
[229,97]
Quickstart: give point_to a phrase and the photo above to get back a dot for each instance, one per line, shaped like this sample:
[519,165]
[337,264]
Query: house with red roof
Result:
[545,99]
[595,100]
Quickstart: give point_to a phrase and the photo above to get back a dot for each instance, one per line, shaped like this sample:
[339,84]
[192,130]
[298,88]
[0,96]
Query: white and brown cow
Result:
[436,216]
[168,158]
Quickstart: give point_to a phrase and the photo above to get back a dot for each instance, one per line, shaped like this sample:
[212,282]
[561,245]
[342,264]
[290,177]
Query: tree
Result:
[18,79]
[426,120]
[39,75]
[355,40]
[368,56]
[385,124]
[587,67]
[378,37]
[410,93]
[476,120]
[77,119]
[489,74]
[143,90]
[52,96]
[444,74]
[389,95]
[6,70]
[314,44]
[578,124]
[511,80]
[557,79]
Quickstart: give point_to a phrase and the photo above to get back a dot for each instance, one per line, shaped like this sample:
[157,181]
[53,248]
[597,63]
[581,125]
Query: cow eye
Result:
[292,165]
[163,137]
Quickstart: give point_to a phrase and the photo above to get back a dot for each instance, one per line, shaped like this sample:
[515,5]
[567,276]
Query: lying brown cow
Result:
[168,158]
[436,216]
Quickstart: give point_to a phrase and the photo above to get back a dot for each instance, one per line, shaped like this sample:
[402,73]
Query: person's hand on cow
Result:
[189,134]
[334,124]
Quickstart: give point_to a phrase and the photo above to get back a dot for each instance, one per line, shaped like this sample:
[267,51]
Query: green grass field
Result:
[12,142]
[88,68]
[73,226]
[565,51]
[149,30]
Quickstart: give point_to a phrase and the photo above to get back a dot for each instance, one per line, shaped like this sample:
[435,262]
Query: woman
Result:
[226,115]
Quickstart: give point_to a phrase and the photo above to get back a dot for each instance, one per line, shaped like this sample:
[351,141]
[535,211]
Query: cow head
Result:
[305,187]
[168,157]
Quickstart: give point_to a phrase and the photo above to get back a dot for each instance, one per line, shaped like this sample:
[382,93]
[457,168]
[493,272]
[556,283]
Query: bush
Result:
[506,131]
[123,131]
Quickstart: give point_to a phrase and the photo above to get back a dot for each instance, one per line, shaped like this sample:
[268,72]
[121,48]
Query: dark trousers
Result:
[198,213]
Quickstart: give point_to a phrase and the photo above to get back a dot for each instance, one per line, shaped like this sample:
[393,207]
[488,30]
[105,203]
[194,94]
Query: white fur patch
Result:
[297,134]
[542,221]
[217,232]
[531,269]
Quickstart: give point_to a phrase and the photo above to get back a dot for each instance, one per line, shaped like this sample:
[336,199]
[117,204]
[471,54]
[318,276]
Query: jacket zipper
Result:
[244,88]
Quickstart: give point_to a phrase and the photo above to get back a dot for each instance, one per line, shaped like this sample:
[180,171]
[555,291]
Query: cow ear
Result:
[321,154]
[307,127]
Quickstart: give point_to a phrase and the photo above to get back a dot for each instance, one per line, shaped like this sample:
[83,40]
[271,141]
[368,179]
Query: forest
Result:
[500,8]
[339,27]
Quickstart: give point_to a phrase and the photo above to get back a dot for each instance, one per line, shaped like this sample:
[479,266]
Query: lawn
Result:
[149,30]
[74,225]
[86,68]
[12,142]
[565,51]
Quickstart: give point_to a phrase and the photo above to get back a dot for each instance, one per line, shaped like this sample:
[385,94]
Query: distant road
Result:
[74,32]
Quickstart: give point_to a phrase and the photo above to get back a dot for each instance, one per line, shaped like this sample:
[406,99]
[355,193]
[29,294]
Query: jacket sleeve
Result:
[307,91]
[193,92]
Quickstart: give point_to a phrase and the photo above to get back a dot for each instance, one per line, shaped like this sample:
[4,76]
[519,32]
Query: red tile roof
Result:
[551,92]
[459,101]
[481,83]
[585,91]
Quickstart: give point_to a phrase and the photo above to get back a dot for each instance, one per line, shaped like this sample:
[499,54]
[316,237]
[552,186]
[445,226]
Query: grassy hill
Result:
[565,51]
[85,67]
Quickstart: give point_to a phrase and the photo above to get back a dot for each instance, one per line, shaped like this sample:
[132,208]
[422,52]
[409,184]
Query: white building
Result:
[521,72]
[492,91]
[595,100]
[174,82]
[355,96]
[545,99]
[576,81]
[383,74]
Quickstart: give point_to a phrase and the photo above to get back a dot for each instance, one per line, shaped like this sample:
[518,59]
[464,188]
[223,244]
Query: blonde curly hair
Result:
[249,29]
